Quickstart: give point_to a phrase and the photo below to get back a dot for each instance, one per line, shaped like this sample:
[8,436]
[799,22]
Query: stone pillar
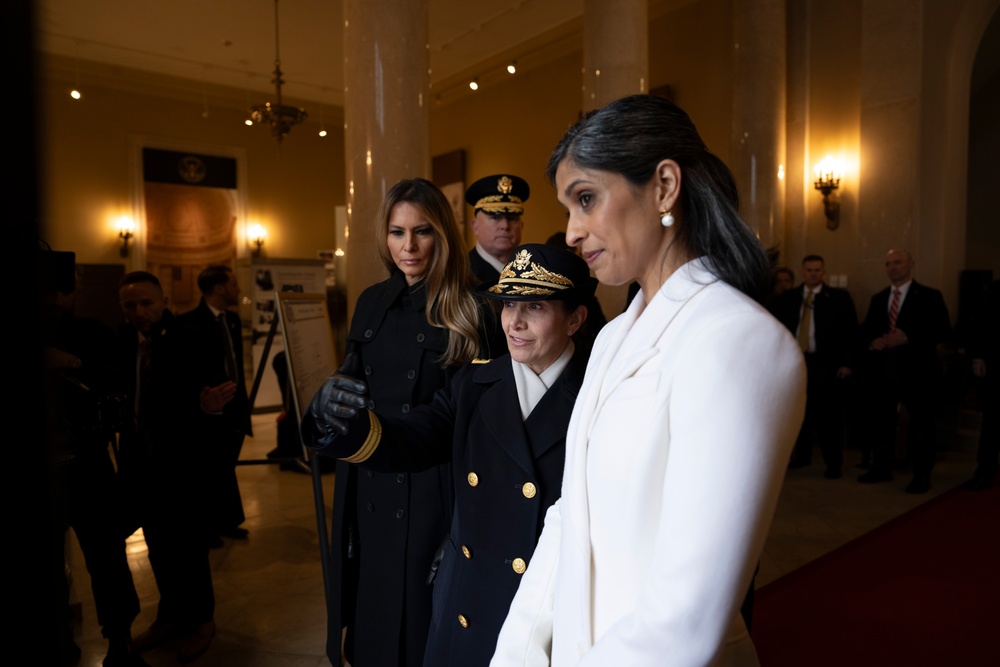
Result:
[615,64]
[889,196]
[758,139]
[615,50]
[386,121]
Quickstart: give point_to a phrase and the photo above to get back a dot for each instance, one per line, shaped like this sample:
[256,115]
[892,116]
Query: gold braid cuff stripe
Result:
[370,444]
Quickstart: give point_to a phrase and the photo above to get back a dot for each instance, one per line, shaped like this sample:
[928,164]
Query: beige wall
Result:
[89,179]
[513,126]
[691,51]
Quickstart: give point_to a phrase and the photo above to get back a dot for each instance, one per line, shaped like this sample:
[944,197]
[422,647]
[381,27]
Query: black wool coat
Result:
[388,526]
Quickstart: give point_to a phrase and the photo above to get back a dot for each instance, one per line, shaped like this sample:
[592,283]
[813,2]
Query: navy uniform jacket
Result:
[387,527]
[507,474]
[483,270]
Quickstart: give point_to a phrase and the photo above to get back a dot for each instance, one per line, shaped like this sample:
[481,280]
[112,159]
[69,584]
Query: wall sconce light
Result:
[256,234]
[126,230]
[827,180]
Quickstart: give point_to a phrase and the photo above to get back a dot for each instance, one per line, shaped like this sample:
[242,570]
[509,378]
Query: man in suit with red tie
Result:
[904,325]
[223,332]
[825,322]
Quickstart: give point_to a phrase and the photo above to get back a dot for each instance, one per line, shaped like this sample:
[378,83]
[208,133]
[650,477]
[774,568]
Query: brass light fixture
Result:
[827,180]
[256,235]
[126,230]
[280,117]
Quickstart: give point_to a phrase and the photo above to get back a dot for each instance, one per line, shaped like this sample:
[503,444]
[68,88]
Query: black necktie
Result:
[227,342]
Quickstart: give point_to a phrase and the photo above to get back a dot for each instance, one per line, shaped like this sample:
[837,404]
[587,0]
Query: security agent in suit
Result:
[825,322]
[900,334]
[498,203]
[502,425]
[171,383]
[223,333]
[986,367]
[82,413]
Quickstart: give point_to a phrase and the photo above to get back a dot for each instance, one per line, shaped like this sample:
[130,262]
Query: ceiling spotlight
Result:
[512,67]
[474,84]
[322,132]
[75,94]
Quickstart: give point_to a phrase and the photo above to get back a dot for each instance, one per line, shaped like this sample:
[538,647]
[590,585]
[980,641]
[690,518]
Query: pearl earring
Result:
[667,219]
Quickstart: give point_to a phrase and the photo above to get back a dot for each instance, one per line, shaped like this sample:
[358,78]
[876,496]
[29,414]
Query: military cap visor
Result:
[540,273]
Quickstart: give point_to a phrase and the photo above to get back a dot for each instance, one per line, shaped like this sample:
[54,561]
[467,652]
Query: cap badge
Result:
[515,280]
[505,185]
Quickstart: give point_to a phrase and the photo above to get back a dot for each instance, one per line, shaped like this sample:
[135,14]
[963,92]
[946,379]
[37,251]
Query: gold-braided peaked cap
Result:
[539,272]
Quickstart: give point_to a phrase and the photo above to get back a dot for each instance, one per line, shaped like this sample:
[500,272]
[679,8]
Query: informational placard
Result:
[309,346]
[261,278]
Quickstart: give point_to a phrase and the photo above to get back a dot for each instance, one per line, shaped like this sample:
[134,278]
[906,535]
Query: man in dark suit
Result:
[904,325]
[223,333]
[169,381]
[498,203]
[983,349]
[825,322]
[79,423]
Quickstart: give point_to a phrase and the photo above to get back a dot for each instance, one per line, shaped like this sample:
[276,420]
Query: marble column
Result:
[758,139]
[386,121]
[615,64]
[889,180]
[615,50]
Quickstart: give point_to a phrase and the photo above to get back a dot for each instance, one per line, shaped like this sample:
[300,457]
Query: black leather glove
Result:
[341,399]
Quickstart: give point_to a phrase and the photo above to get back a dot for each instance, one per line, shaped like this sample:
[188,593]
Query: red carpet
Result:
[922,590]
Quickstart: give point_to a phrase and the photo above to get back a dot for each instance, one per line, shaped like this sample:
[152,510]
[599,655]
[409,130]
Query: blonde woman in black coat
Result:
[409,332]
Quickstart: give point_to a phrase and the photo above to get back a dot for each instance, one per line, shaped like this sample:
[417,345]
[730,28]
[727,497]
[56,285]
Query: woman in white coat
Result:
[681,432]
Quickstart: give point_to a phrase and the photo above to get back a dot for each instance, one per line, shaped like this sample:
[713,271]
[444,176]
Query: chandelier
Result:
[280,117]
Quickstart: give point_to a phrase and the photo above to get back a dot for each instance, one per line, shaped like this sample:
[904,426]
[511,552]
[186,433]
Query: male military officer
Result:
[498,202]
[825,322]
[220,291]
[169,380]
[904,325]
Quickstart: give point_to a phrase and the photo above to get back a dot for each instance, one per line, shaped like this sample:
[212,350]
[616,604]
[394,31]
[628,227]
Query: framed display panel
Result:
[309,347]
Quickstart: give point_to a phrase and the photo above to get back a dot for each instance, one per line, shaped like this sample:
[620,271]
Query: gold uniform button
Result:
[529,490]
[463,621]
[473,479]
[465,550]
[519,565]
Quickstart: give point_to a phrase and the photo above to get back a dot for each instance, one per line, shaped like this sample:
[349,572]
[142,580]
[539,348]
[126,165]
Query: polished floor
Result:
[269,588]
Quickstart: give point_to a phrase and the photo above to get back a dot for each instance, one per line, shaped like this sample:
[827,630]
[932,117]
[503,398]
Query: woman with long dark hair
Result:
[681,432]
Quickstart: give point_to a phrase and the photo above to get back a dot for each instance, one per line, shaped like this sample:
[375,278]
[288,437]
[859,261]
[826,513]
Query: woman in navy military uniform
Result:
[503,427]
[408,332]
